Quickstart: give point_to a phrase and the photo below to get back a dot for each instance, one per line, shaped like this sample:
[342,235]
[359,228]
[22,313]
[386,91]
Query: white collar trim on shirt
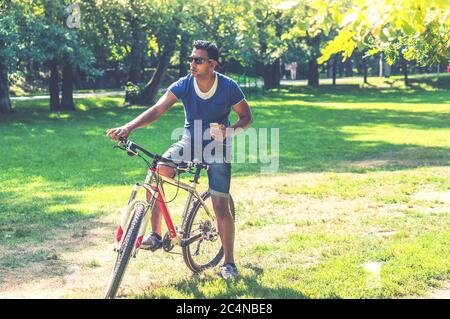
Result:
[211,91]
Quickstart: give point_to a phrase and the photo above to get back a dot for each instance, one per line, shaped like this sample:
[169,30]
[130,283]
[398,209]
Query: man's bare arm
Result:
[147,117]
[244,114]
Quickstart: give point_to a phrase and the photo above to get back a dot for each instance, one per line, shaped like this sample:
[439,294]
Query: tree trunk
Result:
[67,88]
[405,71]
[340,66]
[134,74]
[29,72]
[117,75]
[54,86]
[334,67]
[276,66]
[313,72]
[348,65]
[313,67]
[271,74]
[151,88]
[222,66]
[184,52]
[381,65]
[136,55]
[5,102]
[364,62]
[276,74]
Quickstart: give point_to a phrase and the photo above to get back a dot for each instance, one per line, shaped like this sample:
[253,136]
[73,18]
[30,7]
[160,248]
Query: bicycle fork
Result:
[126,219]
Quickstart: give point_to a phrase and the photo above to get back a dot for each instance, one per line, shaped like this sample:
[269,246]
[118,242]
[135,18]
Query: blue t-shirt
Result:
[215,109]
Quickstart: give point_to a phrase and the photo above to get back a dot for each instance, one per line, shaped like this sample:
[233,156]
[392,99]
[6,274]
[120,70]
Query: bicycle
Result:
[198,225]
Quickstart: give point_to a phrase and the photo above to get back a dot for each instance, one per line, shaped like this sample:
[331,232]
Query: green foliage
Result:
[246,31]
[57,41]
[18,27]
[126,34]
[132,92]
[36,31]
[415,30]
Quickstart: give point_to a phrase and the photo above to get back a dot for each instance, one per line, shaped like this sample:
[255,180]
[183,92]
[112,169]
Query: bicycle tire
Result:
[124,254]
[187,227]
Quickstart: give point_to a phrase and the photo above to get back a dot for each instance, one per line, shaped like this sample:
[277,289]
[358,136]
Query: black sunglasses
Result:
[197,60]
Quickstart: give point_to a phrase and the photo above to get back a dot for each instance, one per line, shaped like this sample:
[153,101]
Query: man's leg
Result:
[225,224]
[219,178]
[175,152]
[156,218]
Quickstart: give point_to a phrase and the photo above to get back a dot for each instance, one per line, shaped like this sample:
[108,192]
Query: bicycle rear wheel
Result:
[124,253]
[208,252]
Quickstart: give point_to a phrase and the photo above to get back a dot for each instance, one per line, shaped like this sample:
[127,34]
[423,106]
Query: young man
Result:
[208,97]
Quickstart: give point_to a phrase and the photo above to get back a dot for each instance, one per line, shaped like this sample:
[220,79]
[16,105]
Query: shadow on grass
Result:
[313,138]
[34,236]
[441,82]
[323,138]
[248,286]
[353,93]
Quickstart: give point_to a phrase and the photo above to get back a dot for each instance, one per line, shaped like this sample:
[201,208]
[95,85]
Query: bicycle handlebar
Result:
[131,147]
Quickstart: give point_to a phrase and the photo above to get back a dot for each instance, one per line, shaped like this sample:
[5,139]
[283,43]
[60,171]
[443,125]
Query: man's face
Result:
[201,65]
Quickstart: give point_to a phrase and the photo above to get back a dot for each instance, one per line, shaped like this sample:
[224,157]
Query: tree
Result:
[9,50]
[37,31]
[60,47]
[50,47]
[95,35]
[221,22]
[248,32]
[166,30]
[74,57]
[271,22]
[16,28]
[414,29]
[313,23]
[155,29]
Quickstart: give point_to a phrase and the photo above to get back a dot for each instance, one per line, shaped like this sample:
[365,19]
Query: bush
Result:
[132,93]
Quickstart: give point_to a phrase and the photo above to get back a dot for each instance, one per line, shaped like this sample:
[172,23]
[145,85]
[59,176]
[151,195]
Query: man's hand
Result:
[219,134]
[116,133]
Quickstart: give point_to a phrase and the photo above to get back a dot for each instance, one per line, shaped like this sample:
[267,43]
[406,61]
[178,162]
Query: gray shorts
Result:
[219,171]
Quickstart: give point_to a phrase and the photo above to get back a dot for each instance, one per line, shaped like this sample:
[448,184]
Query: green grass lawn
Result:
[364,177]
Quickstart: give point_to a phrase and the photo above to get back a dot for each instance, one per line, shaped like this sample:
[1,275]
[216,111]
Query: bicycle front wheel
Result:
[124,253]
[207,251]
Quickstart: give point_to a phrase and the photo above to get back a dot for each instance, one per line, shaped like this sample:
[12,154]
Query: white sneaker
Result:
[228,271]
[152,242]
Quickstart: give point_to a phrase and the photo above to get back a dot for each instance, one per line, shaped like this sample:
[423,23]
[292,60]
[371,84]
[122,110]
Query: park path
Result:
[90,94]
[122,92]
[75,96]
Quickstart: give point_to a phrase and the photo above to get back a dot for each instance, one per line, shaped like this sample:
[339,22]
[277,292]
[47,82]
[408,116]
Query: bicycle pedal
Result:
[151,249]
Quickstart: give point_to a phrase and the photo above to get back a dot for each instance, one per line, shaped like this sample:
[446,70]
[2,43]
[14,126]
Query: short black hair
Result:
[210,47]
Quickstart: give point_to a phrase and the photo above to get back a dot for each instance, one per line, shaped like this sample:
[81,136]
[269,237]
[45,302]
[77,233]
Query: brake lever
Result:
[129,151]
